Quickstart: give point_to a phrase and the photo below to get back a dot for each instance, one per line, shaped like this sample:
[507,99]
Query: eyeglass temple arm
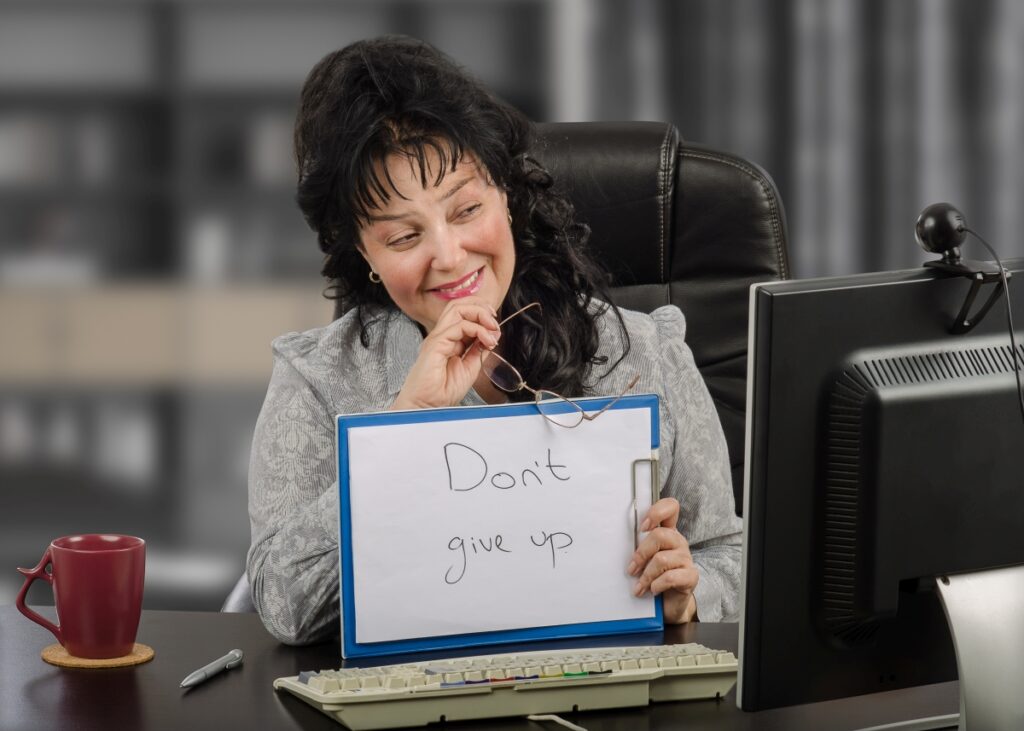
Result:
[591,417]
[517,312]
[520,311]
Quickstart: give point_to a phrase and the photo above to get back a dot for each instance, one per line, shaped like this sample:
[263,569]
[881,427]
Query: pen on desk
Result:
[232,660]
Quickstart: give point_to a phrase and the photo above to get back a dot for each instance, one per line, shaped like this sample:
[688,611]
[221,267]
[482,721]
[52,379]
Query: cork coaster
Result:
[57,655]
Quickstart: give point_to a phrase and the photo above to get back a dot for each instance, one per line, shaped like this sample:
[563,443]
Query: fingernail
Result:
[646,525]
[632,568]
[638,589]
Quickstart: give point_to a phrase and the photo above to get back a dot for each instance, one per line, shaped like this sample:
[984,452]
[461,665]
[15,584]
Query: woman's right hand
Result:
[444,372]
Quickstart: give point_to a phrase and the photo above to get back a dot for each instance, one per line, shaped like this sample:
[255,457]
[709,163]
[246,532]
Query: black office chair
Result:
[674,223]
[677,223]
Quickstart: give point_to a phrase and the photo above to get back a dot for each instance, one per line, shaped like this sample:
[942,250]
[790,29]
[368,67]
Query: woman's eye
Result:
[403,240]
[469,211]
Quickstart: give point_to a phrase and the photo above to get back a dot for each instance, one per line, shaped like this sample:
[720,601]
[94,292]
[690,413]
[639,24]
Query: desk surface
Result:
[34,695]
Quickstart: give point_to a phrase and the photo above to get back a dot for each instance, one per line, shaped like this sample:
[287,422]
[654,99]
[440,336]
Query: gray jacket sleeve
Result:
[292,563]
[699,476]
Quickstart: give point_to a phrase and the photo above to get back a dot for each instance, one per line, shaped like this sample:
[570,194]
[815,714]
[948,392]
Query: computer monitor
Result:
[882,451]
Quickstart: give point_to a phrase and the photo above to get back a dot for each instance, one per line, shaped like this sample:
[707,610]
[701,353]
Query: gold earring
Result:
[510,218]
[374,277]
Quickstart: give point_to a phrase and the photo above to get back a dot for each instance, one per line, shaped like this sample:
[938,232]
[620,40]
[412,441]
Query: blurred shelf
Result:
[71,500]
[244,95]
[244,193]
[169,122]
[123,191]
[68,97]
[151,334]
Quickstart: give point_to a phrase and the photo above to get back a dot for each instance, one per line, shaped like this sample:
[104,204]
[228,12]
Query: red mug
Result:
[97,584]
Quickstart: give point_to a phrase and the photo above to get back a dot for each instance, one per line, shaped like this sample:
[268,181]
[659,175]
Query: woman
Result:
[436,225]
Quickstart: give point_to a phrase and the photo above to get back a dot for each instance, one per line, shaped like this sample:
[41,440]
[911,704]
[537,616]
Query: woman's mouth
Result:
[464,287]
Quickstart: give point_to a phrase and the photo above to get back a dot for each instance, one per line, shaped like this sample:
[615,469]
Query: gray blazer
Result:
[292,563]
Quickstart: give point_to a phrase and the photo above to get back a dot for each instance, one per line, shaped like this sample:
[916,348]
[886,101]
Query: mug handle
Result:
[39,572]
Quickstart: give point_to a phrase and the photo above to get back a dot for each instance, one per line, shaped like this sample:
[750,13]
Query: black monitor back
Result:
[882,451]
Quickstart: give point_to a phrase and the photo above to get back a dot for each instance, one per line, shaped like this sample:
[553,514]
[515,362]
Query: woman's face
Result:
[436,243]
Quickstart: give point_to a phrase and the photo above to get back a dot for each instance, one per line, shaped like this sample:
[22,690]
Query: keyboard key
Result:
[323,684]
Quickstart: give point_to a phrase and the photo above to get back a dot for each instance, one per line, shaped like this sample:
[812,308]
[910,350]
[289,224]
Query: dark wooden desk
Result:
[35,696]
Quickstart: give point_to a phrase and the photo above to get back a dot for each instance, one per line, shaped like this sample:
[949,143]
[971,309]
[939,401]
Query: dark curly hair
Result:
[398,95]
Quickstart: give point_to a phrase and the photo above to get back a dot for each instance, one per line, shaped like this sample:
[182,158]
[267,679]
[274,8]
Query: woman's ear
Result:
[362,252]
[374,277]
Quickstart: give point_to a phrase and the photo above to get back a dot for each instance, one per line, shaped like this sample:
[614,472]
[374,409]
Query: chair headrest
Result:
[620,176]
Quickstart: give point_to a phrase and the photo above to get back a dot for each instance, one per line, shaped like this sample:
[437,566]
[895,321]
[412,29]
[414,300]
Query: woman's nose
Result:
[448,252]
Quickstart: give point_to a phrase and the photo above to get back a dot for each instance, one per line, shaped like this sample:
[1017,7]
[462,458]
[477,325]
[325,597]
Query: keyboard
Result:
[514,684]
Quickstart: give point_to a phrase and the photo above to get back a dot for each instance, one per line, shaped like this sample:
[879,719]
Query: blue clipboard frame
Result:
[350,648]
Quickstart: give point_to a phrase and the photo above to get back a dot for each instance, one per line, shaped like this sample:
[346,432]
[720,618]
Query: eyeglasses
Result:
[553,406]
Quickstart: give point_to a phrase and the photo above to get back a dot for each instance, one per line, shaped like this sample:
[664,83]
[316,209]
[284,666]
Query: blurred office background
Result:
[150,248]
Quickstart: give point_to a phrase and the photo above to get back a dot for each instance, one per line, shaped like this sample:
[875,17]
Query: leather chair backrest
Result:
[677,223]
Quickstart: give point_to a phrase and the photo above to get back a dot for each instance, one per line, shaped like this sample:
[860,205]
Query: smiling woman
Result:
[445,255]
[435,244]
[437,226]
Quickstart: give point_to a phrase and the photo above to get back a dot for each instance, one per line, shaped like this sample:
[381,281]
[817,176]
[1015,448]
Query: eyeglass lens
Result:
[558,409]
[502,375]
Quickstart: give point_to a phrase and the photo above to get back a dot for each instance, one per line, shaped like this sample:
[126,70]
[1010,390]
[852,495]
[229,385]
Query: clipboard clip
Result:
[654,486]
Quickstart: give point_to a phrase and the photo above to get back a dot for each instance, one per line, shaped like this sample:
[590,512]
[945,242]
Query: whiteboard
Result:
[487,524]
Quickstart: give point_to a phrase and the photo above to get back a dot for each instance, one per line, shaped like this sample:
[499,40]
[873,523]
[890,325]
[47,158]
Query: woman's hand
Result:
[663,563]
[441,376]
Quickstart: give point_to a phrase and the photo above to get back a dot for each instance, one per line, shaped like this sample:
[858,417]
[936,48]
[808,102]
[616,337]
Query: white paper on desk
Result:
[420,536]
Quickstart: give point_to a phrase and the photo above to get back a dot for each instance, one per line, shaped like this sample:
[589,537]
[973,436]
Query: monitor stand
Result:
[985,611]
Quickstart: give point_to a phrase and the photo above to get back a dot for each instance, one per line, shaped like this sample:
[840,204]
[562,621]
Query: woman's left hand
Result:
[663,563]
